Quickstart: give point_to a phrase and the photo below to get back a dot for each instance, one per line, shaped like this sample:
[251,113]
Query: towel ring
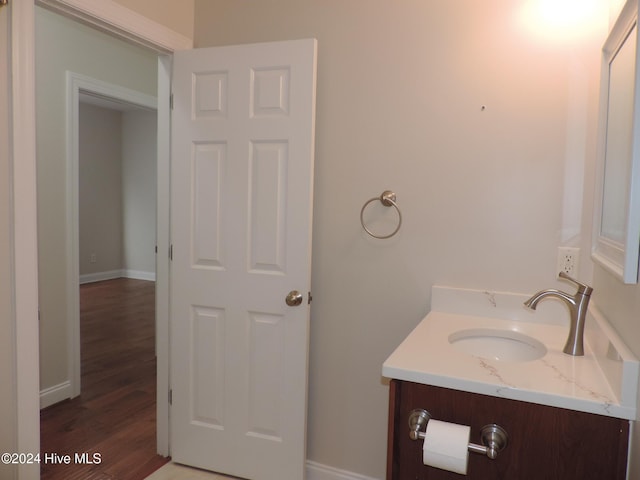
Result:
[388,199]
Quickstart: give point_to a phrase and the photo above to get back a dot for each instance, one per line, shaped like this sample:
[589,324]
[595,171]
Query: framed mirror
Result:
[617,214]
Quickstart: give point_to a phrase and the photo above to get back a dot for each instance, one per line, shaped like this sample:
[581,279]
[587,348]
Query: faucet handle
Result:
[582,288]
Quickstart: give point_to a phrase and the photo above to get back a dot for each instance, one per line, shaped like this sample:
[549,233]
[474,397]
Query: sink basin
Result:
[498,344]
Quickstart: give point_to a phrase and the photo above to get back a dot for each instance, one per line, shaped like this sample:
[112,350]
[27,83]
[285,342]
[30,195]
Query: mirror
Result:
[617,212]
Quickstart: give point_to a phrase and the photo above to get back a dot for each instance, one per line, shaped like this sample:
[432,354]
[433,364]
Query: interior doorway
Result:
[118,195]
[113,170]
[110,130]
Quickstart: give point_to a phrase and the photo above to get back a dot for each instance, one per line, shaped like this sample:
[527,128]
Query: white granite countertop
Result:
[603,381]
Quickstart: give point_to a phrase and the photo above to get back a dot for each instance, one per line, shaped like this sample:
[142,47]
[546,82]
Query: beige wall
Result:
[176,15]
[100,207]
[139,156]
[487,195]
[65,45]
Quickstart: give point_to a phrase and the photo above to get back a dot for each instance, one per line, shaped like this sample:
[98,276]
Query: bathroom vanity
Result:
[567,417]
[544,442]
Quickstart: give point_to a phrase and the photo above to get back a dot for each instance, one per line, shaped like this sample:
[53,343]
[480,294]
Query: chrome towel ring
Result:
[388,199]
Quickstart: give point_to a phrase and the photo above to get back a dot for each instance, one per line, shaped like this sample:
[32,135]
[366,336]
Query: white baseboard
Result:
[317,471]
[111,274]
[100,276]
[55,394]
[139,275]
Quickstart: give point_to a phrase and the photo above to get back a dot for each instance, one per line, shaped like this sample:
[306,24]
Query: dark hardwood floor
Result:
[115,416]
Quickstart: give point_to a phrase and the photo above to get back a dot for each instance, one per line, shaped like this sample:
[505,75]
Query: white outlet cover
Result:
[568,260]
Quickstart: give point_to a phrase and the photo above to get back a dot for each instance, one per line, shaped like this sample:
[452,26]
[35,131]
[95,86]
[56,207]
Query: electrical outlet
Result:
[93,258]
[568,261]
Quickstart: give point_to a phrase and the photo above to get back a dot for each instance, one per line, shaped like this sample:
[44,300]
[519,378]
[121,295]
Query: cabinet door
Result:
[544,442]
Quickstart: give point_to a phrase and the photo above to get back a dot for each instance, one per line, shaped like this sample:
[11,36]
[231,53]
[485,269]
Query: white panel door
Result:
[241,214]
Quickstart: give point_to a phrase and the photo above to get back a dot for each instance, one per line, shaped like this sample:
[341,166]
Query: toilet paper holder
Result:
[494,438]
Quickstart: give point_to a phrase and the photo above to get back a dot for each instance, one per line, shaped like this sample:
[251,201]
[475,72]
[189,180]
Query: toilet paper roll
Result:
[446,446]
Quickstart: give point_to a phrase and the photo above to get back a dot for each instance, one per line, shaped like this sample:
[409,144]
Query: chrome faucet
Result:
[577,309]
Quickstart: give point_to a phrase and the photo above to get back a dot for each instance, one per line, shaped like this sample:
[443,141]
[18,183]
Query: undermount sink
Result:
[498,344]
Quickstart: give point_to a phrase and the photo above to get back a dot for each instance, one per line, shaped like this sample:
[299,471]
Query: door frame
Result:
[123,23]
[25,248]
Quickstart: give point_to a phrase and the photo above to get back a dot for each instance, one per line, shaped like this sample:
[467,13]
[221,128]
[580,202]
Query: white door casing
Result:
[241,216]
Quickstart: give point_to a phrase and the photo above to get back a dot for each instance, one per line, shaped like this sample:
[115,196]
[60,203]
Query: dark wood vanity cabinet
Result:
[544,442]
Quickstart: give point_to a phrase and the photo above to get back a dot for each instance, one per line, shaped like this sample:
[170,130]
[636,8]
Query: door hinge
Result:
[170,397]
[171,101]
[310,298]
[170,252]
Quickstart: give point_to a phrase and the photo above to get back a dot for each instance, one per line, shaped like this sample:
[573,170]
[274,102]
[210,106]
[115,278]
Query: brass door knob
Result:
[294,298]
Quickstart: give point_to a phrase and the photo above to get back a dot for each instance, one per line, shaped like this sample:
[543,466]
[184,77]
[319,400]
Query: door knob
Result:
[294,298]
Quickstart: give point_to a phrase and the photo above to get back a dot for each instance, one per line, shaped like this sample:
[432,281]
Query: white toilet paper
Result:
[446,446]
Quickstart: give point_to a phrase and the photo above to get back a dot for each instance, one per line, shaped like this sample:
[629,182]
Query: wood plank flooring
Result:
[115,414]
